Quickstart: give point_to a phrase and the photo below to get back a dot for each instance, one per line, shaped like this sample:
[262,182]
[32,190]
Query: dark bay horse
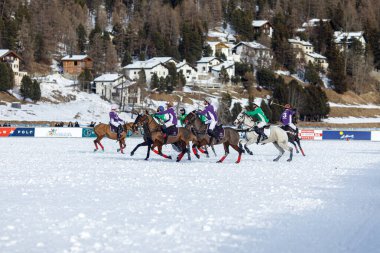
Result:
[181,140]
[231,137]
[104,130]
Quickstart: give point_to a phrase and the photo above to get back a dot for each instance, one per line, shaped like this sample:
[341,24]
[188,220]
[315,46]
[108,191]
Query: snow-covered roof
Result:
[314,22]
[161,59]
[317,56]
[259,23]
[226,65]
[206,59]
[142,65]
[252,44]
[3,52]
[299,41]
[78,57]
[108,78]
[340,37]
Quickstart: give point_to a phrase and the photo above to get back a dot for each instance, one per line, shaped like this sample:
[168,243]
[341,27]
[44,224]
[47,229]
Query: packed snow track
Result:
[57,195]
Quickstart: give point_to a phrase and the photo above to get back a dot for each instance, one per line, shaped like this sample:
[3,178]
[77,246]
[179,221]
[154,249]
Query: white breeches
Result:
[116,123]
[212,124]
[168,124]
[292,126]
[261,124]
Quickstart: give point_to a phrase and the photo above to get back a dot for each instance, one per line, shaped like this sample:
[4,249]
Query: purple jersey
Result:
[286,117]
[209,112]
[114,117]
[172,115]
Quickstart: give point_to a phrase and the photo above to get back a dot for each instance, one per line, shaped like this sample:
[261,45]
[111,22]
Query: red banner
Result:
[6,131]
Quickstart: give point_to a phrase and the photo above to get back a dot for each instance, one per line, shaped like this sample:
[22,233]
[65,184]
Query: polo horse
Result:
[277,136]
[181,138]
[228,137]
[104,130]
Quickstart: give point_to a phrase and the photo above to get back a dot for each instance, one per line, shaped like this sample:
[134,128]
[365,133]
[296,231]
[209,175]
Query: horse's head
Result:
[240,118]
[190,119]
[140,120]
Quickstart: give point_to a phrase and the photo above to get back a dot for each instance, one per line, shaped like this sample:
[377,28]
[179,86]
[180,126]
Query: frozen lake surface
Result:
[56,195]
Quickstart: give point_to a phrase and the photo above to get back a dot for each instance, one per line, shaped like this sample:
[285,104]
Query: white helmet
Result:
[257,103]
[208,100]
[114,107]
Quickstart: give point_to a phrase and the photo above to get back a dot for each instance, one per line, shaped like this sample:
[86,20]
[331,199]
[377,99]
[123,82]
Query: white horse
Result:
[277,136]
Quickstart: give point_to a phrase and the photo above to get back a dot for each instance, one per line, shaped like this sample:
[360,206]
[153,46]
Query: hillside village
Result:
[229,66]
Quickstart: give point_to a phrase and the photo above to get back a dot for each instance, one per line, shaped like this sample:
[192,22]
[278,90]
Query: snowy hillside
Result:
[64,104]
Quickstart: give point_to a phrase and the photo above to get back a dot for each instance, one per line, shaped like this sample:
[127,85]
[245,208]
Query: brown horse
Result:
[231,137]
[104,130]
[182,139]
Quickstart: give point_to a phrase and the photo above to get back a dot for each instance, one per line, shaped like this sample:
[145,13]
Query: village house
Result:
[262,27]
[75,64]
[301,47]
[151,66]
[218,35]
[344,39]
[205,64]
[253,53]
[229,66]
[317,59]
[219,48]
[188,71]
[128,94]
[106,83]
[13,60]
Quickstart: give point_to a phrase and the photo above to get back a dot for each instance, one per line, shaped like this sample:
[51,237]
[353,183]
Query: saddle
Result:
[172,131]
[113,129]
[219,131]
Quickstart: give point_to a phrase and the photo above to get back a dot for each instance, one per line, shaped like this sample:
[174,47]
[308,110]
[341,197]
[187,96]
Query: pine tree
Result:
[155,82]
[5,78]
[312,75]
[224,113]
[266,78]
[26,88]
[84,80]
[81,38]
[36,91]
[223,75]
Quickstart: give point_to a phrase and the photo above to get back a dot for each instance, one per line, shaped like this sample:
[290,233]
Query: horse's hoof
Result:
[102,150]
[237,162]
[289,160]
[170,157]
[275,160]
[250,153]
[297,151]
[132,153]
[118,150]
[197,156]
[95,150]
[146,159]
[219,161]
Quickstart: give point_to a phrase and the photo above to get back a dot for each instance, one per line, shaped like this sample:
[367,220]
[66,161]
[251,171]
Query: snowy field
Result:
[56,195]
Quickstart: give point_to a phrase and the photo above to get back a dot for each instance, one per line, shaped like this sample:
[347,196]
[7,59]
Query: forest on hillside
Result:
[113,32]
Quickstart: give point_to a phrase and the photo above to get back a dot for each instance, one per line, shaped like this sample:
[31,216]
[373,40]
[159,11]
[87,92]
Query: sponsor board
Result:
[6,131]
[347,135]
[310,134]
[58,132]
[375,135]
[22,132]
[88,132]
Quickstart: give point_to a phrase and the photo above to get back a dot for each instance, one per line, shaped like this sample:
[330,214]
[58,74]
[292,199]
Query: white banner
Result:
[310,134]
[58,132]
[375,135]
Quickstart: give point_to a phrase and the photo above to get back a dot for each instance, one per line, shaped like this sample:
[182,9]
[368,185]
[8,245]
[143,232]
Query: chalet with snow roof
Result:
[344,39]
[254,53]
[205,64]
[75,64]
[317,59]
[13,59]
[149,67]
[219,48]
[106,83]
[301,47]
[262,27]
[229,66]
[188,71]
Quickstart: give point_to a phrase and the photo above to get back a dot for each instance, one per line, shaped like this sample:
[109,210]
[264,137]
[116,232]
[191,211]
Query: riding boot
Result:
[164,134]
[118,132]
[212,136]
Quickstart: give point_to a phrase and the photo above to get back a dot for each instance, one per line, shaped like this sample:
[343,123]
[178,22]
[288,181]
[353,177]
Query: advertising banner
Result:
[310,134]
[347,135]
[6,131]
[58,132]
[22,132]
[88,132]
[375,135]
